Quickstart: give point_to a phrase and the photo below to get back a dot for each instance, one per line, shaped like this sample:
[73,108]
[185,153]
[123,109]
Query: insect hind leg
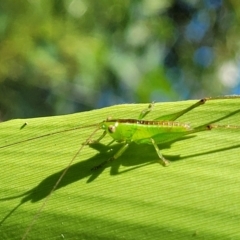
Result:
[174,116]
[163,161]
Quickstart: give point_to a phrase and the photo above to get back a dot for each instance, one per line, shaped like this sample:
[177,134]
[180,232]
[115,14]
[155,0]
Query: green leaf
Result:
[131,198]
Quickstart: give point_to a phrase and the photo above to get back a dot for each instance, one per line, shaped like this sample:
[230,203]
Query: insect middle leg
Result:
[146,111]
[163,161]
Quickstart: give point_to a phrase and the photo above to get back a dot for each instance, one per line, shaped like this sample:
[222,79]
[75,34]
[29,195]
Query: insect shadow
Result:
[134,157]
[82,170]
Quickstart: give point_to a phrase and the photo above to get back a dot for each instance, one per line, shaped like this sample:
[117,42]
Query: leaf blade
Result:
[145,200]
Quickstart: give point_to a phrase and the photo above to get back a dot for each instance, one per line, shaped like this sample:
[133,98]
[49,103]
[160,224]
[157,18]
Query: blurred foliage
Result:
[64,56]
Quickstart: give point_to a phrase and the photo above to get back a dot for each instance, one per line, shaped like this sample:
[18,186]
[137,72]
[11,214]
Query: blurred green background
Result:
[65,56]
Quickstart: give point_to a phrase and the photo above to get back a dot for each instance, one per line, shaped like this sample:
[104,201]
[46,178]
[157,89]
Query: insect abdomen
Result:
[153,129]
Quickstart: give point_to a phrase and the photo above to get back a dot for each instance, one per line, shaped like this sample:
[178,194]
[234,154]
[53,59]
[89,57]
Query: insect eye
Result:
[111,129]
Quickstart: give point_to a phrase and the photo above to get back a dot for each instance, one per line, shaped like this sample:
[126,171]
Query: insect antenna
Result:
[36,216]
[48,134]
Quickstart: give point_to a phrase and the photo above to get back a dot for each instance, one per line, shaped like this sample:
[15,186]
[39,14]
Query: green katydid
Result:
[159,130]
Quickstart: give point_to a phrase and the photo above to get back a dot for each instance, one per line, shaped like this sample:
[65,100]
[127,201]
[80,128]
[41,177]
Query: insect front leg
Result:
[163,161]
[90,141]
[114,157]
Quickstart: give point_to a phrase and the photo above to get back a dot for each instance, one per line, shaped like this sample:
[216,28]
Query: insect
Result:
[125,131]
